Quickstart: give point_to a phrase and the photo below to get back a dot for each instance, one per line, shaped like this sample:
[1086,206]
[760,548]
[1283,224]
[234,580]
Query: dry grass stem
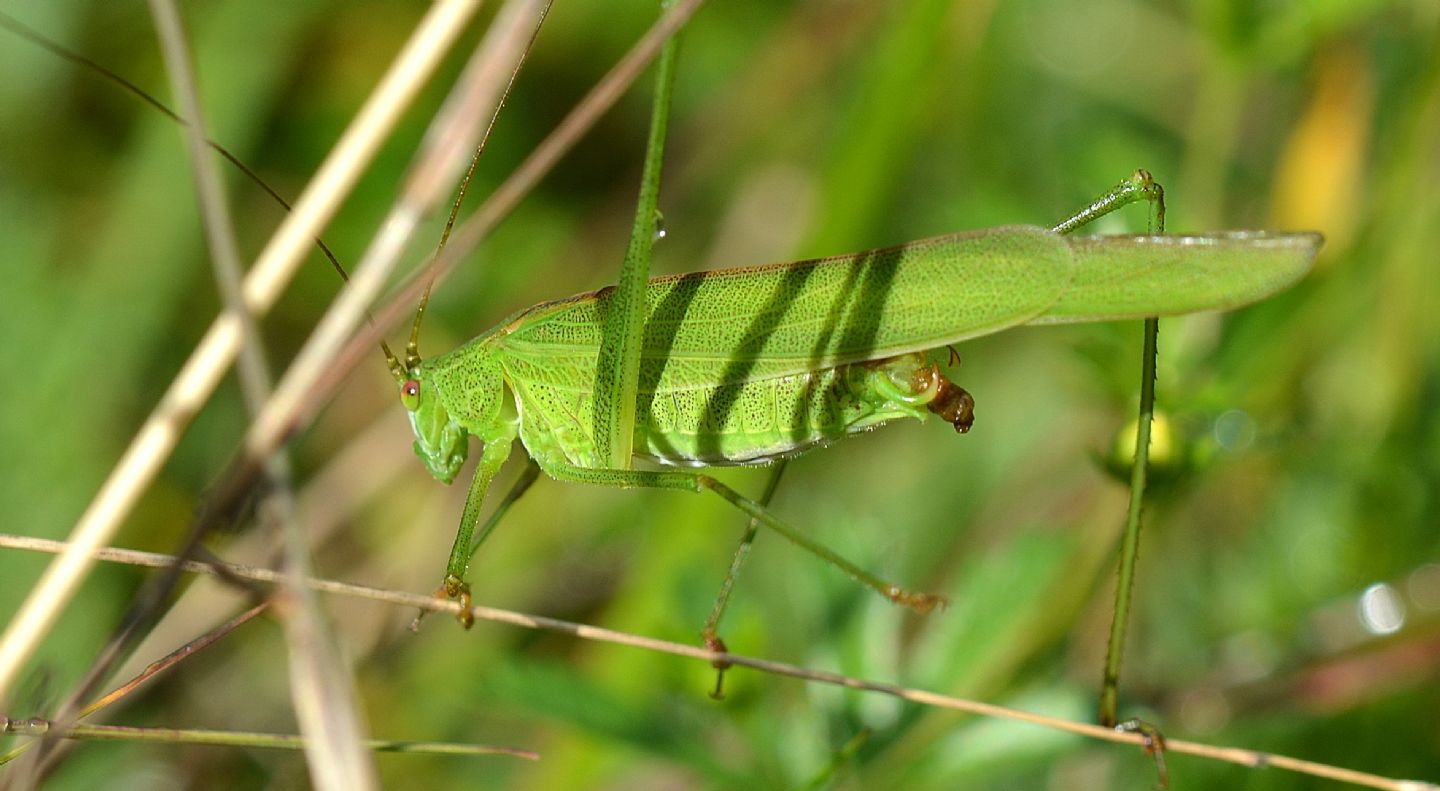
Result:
[279,741]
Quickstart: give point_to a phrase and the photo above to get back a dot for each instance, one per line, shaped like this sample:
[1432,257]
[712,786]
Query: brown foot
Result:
[919,602]
[714,643]
[1153,742]
[459,590]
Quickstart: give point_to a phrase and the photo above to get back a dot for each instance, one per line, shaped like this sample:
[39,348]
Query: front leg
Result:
[497,450]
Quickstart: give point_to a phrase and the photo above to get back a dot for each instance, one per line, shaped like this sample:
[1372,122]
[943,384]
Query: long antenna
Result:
[412,349]
[39,39]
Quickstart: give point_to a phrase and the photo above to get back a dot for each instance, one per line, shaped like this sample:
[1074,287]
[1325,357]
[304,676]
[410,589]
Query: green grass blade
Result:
[617,371]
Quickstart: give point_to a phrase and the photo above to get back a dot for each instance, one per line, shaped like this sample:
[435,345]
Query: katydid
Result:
[750,365]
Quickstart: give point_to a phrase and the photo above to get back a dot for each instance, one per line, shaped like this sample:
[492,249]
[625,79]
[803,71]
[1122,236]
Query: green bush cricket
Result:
[751,365]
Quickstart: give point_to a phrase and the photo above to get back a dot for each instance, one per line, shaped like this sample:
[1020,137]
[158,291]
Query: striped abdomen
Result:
[766,419]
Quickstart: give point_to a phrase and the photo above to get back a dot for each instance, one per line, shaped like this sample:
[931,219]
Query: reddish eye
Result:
[410,394]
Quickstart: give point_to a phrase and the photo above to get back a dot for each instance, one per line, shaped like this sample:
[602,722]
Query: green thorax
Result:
[451,397]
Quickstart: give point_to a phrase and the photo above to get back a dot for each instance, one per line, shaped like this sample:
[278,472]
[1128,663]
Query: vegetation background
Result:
[1301,470]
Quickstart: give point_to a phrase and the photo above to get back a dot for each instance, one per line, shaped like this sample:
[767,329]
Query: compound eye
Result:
[410,394]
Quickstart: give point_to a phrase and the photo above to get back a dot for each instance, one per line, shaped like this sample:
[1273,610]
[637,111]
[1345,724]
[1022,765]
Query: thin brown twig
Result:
[1253,759]
[176,657]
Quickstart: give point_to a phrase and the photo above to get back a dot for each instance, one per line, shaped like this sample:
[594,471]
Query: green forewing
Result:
[740,364]
[731,326]
[1121,277]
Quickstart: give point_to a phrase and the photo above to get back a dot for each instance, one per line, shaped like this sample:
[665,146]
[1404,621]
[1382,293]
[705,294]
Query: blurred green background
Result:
[1289,588]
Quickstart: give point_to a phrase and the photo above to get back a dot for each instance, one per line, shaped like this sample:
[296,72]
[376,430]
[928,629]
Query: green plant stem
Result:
[1130,543]
[617,371]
